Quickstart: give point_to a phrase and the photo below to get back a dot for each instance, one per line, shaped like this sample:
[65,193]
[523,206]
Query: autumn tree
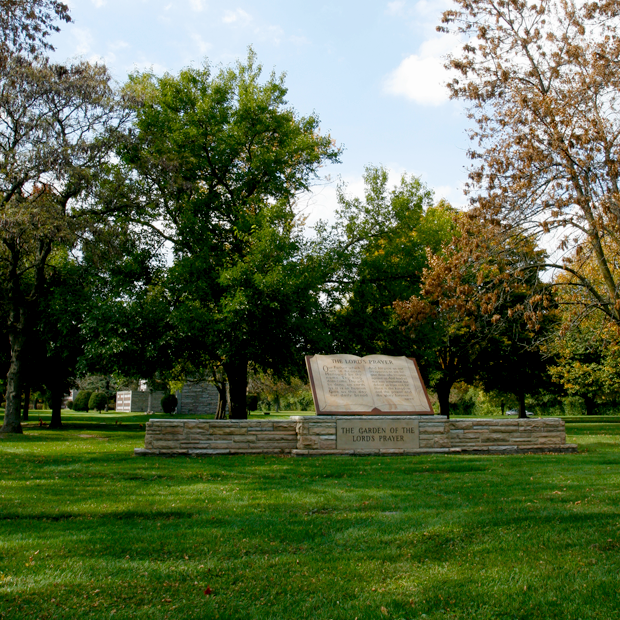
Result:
[26,25]
[542,84]
[479,305]
[587,348]
[587,363]
[219,159]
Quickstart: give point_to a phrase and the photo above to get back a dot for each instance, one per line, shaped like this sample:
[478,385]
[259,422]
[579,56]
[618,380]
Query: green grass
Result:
[87,530]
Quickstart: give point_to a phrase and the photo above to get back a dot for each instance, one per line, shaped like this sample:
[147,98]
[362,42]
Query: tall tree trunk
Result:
[443,395]
[222,401]
[26,404]
[590,404]
[237,374]
[12,412]
[56,396]
[521,400]
[20,320]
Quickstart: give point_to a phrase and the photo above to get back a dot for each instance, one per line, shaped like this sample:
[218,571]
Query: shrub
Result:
[69,404]
[81,401]
[169,403]
[252,402]
[98,401]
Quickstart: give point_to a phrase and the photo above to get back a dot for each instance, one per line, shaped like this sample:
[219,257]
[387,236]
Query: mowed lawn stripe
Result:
[87,530]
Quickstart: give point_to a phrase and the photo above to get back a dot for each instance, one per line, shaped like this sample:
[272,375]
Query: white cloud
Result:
[83,40]
[273,34]
[145,65]
[432,8]
[422,77]
[454,195]
[202,45]
[99,3]
[396,7]
[238,16]
[118,45]
[299,40]
[197,5]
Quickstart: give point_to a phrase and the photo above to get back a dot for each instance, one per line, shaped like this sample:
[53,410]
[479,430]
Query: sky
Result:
[372,71]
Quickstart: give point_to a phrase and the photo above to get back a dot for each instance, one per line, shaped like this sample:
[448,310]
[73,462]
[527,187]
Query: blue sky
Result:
[371,70]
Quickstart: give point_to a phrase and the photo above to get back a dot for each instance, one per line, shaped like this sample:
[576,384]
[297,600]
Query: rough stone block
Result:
[259,429]
[284,425]
[211,445]
[249,439]
[227,430]
[308,443]
[320,429]
[460,425]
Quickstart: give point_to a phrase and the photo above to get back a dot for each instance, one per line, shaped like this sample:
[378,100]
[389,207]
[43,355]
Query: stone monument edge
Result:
[375,411]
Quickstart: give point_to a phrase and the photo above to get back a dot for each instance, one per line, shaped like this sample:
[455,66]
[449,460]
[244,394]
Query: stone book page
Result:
[371,384]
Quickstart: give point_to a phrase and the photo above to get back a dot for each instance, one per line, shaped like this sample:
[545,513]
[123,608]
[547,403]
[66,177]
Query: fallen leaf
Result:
[207,591]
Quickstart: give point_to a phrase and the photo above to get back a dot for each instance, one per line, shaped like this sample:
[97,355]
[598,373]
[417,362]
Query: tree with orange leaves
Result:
[480,311]
[543,88]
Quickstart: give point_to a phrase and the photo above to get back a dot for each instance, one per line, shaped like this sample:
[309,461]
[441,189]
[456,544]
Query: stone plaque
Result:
[373,434]
[372,385]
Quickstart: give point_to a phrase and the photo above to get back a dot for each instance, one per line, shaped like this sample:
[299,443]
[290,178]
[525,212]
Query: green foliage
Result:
[219,158]
[275,394]
[70,404]
[252,401]
[169,403]
[82,400]
[98,401]
[379,247]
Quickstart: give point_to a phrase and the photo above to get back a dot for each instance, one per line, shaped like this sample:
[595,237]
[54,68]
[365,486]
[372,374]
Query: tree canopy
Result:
[377,248]
[219,160]
[25,26]
[479,308]
[543,88]
[57,131]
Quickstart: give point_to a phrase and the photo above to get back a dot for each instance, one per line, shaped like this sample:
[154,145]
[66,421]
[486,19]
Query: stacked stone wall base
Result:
[317,436]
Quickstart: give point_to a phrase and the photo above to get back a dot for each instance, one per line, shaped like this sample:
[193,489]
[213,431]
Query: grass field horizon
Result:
[87,530]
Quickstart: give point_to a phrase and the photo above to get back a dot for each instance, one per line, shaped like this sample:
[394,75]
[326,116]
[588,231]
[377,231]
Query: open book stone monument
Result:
[364,405]
[349,386]
[371,385]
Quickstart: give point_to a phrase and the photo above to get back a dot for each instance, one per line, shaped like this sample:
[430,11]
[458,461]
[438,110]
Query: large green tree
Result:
[378,248]
[57,131]
[218,162]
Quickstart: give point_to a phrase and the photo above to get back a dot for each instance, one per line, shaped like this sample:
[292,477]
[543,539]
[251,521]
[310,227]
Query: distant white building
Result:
[199,398]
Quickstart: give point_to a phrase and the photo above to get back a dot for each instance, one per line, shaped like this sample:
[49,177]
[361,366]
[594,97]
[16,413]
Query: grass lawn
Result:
[87,530]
